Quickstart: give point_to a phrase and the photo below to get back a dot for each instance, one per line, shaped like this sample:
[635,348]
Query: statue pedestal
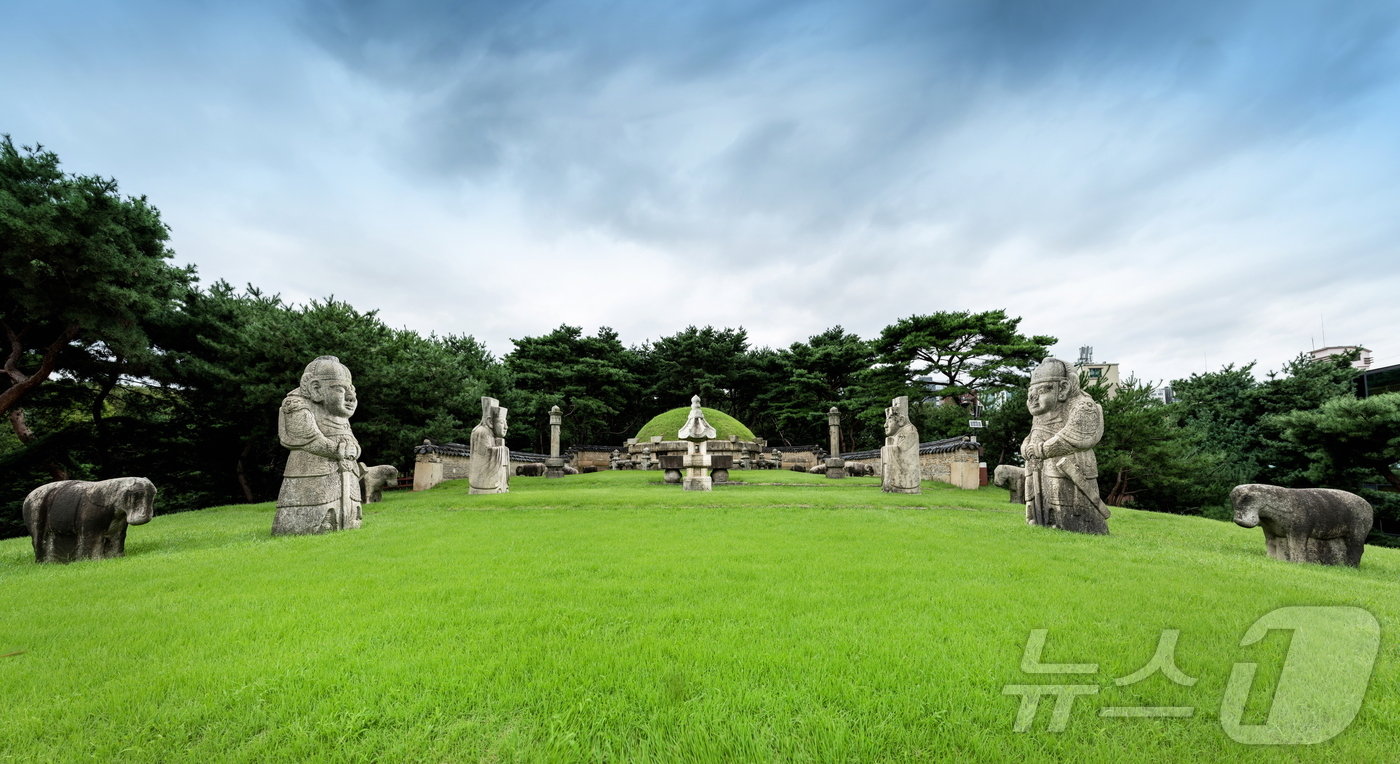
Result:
[697,471]
[554,467]
[835,467]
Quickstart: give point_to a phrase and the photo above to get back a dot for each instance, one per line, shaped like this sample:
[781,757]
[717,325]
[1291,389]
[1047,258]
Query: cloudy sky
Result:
[1177,184]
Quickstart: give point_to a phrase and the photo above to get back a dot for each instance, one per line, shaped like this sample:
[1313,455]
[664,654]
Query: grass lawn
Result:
[611,617]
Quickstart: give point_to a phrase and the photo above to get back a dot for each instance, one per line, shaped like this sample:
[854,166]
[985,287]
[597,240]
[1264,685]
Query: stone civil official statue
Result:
[899,458]
[321,484]
[1062,489]
[490,460]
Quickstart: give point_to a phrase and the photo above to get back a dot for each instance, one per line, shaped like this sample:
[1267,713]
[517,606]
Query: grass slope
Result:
[611,617]
[668,423]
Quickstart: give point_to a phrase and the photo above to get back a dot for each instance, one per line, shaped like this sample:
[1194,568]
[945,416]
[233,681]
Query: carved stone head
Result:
[327,382]
[1053,383]
[897,415]
[493,417]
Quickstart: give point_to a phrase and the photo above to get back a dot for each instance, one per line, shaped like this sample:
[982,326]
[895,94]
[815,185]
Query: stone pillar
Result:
[835,465]
[697,468]
[427,471]
[964,475]
[554,465]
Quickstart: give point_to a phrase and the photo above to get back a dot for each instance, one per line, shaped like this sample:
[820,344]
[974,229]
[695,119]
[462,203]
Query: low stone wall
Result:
[590,456]
[434,463]
[955,461]
[805,457]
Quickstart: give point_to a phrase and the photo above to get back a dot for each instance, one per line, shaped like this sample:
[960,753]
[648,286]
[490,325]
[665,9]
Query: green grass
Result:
[611,617]
[667,424]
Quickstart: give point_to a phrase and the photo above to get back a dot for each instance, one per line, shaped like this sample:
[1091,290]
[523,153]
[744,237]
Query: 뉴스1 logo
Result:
[1323,680]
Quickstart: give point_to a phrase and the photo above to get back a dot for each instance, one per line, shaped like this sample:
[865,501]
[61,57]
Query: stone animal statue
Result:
[79,520]
[377,479]
[817,469]
[1013,478]
[570,469]
[1318,525]
[858,469]
[530,470]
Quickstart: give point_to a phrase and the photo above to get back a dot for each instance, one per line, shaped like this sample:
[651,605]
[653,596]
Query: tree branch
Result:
[26,382]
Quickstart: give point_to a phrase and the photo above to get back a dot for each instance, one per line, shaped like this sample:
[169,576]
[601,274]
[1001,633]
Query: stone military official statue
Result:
[321,484]
[1062,489]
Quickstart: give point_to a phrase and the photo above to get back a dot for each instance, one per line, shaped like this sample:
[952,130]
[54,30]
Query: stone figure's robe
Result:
[899,461]
[320,488]
[1062,489]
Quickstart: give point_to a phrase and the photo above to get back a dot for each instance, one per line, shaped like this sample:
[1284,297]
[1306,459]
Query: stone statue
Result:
[1012,478]
[377,479]
[78,520]
[490,458]
[899,458]
[1318,525]
[1062,489]
[321,484]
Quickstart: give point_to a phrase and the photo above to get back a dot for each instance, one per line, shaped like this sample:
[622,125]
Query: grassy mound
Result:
[611,617]
[669,423]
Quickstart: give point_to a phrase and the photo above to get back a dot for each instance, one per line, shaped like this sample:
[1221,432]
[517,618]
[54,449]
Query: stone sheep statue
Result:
[377,479]
[858,469]
[1012,478]
[78,520]
[534,469]
[1318,525]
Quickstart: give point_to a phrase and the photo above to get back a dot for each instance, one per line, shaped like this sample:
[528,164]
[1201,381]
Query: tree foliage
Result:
[593,380]
[1145,459]
[815,375]
[963,352]
[84,269]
